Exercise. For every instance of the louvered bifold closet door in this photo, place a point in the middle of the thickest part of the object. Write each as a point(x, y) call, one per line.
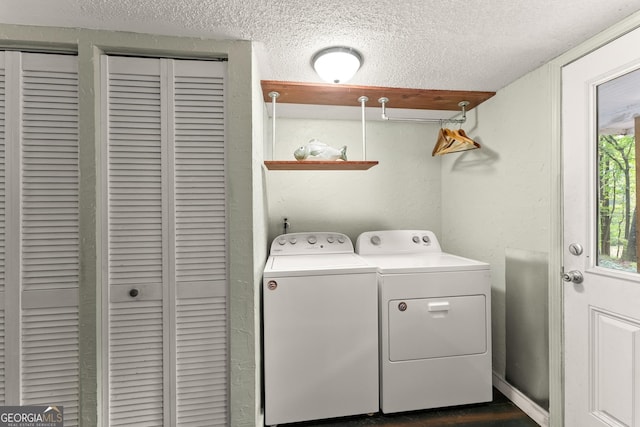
point(3, 239)
point(41, 231)
point(50, 233)
point(166, 245)
point(200, 248)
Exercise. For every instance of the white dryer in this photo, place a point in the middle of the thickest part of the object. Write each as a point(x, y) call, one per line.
point(435, 323)
point(320, 329)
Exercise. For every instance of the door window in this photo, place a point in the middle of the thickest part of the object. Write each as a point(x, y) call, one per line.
point(618, 122)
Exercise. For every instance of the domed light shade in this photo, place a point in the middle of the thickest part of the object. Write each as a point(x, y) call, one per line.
point(336, 64)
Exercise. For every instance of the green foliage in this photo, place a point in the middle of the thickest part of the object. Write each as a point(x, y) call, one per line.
point(616, 197)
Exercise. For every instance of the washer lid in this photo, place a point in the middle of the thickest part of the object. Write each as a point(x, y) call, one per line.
point(424, 263)
point(307, 265)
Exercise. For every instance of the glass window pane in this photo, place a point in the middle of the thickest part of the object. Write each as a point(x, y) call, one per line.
point(618, 122)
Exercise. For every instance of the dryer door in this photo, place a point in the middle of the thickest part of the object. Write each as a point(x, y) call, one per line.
point(426, 328)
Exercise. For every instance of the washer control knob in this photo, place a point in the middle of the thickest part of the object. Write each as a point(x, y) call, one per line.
point(282, 241)
point(415, 239)
point(341, 239)
point(426, 239)
point(375, 240)
point(312, 240)
point(293, 240)
point(331, 239)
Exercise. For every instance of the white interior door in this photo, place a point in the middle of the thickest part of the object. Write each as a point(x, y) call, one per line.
point(601, 98)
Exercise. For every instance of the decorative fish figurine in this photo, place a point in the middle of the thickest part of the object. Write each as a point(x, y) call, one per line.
point(316, 150)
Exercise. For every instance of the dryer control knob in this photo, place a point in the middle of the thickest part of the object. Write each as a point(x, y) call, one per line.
point(331, 239)
point(375, 240)
point(426, 239)
point(415, 239)
point(312, 240)
point(293, 240)
point(282, 241)
point(341, 239)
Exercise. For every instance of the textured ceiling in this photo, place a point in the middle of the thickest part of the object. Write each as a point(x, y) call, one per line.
point(430, 44)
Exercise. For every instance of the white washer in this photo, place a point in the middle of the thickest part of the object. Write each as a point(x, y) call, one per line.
point(320, 329)
point(435, 323)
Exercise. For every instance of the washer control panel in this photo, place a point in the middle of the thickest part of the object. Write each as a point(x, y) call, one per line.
point(304, 243)
point(397, 242)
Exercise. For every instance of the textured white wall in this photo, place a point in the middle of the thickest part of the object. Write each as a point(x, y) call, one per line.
point(498, 197)
point(247, 235)
point(403, 191)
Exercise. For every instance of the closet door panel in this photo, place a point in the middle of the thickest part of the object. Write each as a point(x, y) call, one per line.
point(2, 351)
point(136, 248)
point(49, 233)
point(200, 248)
point(50, 358)
point(136, 363)
point(2, 173)
point(39, 239)
point(134, 174)
point(201, 361)
point(49, 173)
point(2, 225)
point(200, 175)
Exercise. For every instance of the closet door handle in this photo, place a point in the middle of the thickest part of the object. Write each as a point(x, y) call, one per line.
point(134, 293)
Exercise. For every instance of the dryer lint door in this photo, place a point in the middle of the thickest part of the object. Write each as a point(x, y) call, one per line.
point(426, 328)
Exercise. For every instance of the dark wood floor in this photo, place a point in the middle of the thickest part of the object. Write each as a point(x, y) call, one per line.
point(500, 412)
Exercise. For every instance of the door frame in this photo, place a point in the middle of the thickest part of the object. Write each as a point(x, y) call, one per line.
point(556, 338)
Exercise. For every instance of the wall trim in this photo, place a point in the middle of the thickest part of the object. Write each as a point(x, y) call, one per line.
point(528, 406)
point(555, 290)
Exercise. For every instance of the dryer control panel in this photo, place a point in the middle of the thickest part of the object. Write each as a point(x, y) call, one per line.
point(308, 243)
point(397, 242)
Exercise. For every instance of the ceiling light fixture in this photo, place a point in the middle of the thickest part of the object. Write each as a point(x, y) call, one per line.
point(336, 64)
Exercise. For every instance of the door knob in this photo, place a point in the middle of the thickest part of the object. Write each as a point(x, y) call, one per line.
point(573, 276)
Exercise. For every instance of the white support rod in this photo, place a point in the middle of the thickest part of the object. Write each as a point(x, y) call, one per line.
point(461, 104)
point(274, 96)
point(363, 100)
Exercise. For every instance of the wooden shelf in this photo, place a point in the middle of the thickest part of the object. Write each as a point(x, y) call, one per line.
point(347, 95)
point(332, 94)
point(318, 165)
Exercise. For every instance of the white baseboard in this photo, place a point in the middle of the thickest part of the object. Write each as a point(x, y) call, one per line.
point(527, 405)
